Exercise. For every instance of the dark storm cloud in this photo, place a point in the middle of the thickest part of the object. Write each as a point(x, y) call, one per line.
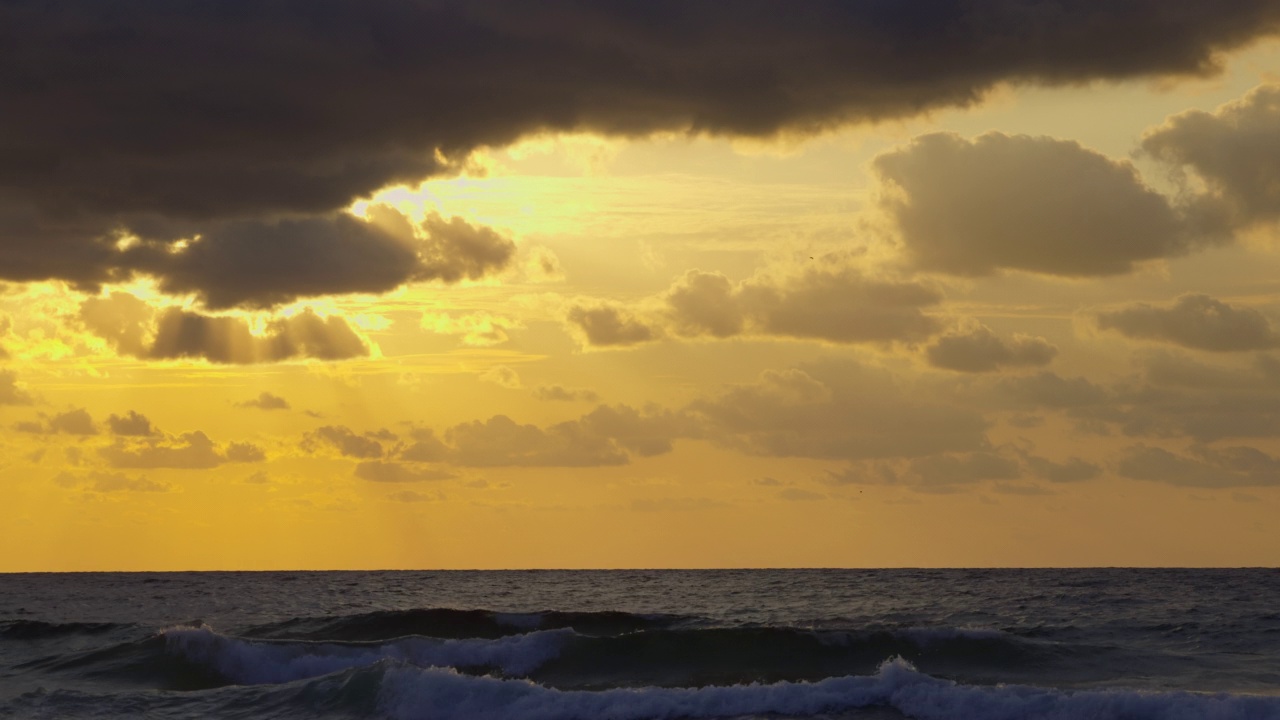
point(1195, 321)
point(135, 328)
point(1001, 202)
point(981, 350)
point(251, 123)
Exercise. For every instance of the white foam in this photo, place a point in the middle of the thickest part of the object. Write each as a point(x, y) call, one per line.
point(416, 694)
point(251, 662)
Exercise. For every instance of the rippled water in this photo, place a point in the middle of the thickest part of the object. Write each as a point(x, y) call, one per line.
point(944, 644)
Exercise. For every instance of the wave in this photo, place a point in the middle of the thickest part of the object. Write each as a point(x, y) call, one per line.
point(41, 630)
point(454, 623)
point(255, 662)
point(409, 693)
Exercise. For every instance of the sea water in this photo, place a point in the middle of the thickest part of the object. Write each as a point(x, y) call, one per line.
point(633, 645)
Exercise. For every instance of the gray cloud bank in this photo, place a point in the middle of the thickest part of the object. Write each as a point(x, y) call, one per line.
point(251, 124)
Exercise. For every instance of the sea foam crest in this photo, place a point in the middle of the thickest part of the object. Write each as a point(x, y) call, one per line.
point(254, 662)
point(436, 694)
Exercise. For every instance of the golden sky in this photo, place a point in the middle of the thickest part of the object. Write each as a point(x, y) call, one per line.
point(508, 285)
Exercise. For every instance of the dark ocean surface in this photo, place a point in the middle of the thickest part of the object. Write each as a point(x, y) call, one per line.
point(633, 645)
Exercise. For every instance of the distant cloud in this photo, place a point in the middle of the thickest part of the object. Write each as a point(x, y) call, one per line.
point(345, 441)
point(831, 301)
point(107, 482)
point(10, 392)
point(564, 394)
point(1014, 202)
point(502, 376)
point(607, 325)
point(132, 423)
point(981, 350)
point(1195, 321)
point(71, 422)
point(190, 451)
point(395, 472)
point(1238, 466)
point(265, 401)
point(134, 328)
point(837, 410)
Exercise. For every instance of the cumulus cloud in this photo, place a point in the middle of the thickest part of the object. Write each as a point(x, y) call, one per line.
point(1038, 204)
point(831, 301)
point(837, 410)
point(1195, 321)
point(1074, 469)
point(954, 469)
point(190, 451)
point(1234, 151)
point(132, 423)
point(72, 422)
point(256, 153)
point(1237, 466)
point(135, 328)
point(981, 350)
point(477, 329)
point(346, 441)
point(265, 401)
point(608, 325)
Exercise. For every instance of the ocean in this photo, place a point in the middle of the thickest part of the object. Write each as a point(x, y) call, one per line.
point(1095, 644)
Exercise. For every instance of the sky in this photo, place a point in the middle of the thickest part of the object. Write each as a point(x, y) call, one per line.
point(495, 284)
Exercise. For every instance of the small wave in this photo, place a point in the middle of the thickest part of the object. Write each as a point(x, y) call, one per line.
point(253, 662)
point(455, 623)
point(409, 693)
point(40, 630)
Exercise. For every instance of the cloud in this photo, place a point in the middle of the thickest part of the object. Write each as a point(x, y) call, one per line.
point(71, 422)
point(564, 394)
point(502, 376)
point(134, 328)
point(837, 410)
point(394, 472)
point(345, 441)
point(980, 350)
point(1234, 151)
point(1048, 389)
point(1195, 321)
point(10, 392)
point(1073, 470)
point(607, 325)
point(1237, 466)
point(257, 152)
point(952, 469)
point(190, 451)
point(260, 264)
point(608, 435)
point(132, 424)
point(105, 482)
point(831, 301)
point(265, 401)
point(1014, 202)
point(479, 329)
